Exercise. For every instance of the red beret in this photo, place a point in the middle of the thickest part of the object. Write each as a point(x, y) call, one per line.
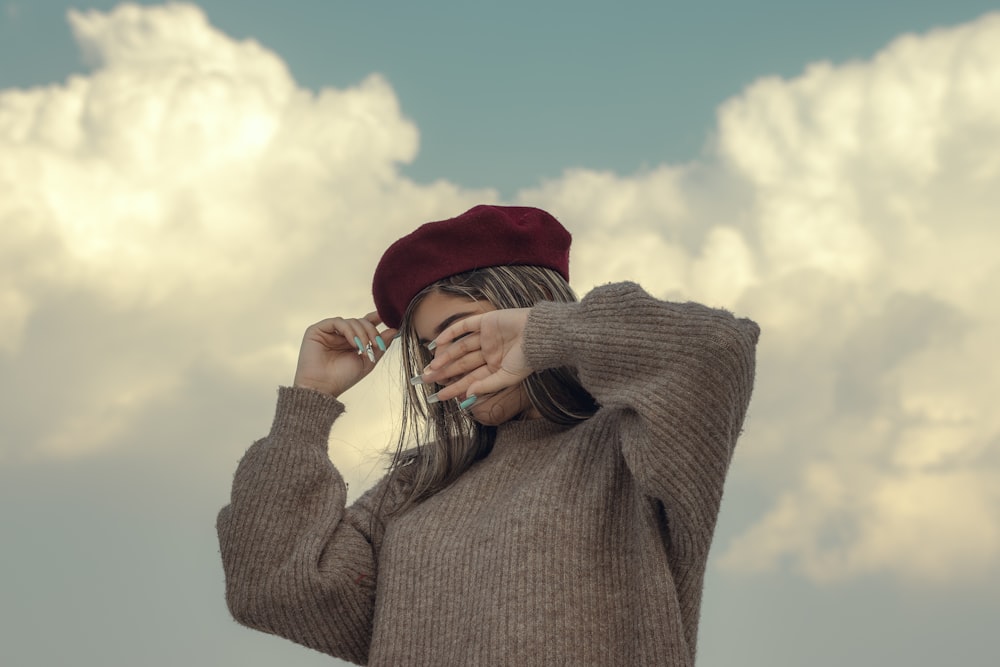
point(482, 236)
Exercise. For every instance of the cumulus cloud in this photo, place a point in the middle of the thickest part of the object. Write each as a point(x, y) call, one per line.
point(875, 183)
point(185, 145)
point(852, 211)
point(186, 208)
point(184, 201)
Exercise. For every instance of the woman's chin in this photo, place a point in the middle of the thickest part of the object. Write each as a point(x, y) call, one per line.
point(502, 408)
point(488, 415)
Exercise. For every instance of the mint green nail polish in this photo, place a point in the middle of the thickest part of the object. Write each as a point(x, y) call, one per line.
point(431, 345)
point(361, 348)
point(433, 398)
point(380, 343)
point(416, 380)
point(468, 403)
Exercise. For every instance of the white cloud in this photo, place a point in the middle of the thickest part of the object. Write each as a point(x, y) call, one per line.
point(878, 175)
point(652, 227)
point(187, 206)
point(185, 145)
point(852, 212)
point(198, 202)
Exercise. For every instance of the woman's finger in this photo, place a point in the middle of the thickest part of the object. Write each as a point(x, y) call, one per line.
point(386, 336)
point(330, 325)
point(457, 348)
point(370, 340)
point(462, 327)
point(329, 333)
point(452, 360)
point(458, 368)
point(380, 339)
point(356, 333)
point(459, 388)
point(494, 382)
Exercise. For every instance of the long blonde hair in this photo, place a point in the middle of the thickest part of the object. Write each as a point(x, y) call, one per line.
point(440, 441)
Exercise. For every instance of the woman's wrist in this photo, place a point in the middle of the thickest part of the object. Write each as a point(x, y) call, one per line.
point(321, 387)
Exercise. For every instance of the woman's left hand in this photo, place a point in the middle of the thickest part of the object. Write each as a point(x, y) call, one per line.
point(484, 352)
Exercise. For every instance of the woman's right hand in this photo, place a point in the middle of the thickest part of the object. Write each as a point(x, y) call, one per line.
point(334, 355)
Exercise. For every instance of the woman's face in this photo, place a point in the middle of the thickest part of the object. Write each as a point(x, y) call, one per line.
point(435, 313)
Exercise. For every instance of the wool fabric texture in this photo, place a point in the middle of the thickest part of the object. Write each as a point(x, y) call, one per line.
point(482, 236)
point(582, 545)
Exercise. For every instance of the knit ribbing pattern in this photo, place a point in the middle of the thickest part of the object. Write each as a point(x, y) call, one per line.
point(565, 546)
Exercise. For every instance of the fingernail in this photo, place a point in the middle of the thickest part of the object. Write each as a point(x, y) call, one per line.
point(468, 403)
point(380, 343)
point(416, 380)
point(361, 348)
point(433, 398)
point(431, 345)
point(370, 352)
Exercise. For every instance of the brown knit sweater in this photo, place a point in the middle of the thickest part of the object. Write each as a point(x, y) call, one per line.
point(565, 546)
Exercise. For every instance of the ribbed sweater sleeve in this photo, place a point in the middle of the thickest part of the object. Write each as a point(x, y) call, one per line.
point(680, 376)
point(298, 563)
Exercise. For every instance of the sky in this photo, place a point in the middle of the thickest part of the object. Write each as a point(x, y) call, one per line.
point(184, 188)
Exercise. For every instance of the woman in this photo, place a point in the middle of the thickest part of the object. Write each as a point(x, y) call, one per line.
point(559, 503)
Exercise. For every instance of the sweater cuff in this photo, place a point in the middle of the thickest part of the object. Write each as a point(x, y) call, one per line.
point(551, 335)
point(305, 414)
point(544, 335)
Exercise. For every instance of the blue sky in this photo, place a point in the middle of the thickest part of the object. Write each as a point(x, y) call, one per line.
point(176, 210)
point(506, 94)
